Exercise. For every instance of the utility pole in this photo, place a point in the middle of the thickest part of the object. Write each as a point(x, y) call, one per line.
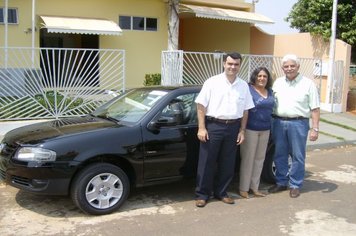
point(6, 9)
point(330, 81)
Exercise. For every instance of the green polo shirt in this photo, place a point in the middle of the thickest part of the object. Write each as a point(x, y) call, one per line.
point(295, 98)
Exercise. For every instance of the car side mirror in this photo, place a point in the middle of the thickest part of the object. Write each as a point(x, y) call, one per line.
point(154, 126)
point(177, 113)
point(173, 117)
point(164, 121)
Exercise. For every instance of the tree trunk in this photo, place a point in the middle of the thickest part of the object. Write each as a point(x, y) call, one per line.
point(173, 25)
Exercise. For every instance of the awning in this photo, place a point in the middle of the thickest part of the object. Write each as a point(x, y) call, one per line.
point(224, 14)
point(76, 25)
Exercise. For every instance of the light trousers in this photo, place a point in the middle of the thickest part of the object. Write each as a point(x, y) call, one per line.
point(252, 152)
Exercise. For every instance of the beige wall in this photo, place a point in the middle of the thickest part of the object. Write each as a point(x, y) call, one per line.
point(261, 43)
point(143, 48)
point(206, 35)
point(305, 46)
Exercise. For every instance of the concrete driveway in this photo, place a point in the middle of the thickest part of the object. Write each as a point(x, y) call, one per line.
point(325, 207)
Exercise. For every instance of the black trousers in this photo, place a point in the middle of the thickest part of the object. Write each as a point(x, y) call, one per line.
point(217, 158)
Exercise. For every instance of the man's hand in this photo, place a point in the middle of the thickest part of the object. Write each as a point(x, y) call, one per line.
point(240, 137)
point(203, 135)
point(313, 135)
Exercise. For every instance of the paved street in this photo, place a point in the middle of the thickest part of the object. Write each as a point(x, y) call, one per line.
point(326, 207)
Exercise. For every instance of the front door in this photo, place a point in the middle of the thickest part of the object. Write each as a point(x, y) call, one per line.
point(63, 64)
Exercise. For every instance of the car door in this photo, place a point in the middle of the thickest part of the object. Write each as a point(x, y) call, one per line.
point(172, 150)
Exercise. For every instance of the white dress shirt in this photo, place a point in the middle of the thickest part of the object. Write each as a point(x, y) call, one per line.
point(225, 100)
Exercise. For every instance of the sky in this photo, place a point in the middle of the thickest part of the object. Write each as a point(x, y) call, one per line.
point(276, 10)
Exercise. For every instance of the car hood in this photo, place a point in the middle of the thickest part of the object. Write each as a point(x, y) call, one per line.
point(36, 133)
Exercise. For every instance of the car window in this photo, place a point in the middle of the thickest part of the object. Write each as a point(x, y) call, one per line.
point(131, 106)
point(186, 104)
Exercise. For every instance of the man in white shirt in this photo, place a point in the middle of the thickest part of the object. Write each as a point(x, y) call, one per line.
point(297, 99)
point(222, 107)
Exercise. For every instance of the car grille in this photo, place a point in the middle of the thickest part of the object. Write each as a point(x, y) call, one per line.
point(6, 153)
point(2, 175)
point(21, 181)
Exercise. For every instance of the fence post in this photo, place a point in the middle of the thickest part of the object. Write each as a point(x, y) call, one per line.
point(172, 67)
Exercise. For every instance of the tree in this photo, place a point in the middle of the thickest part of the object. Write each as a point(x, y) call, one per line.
point(315, 17)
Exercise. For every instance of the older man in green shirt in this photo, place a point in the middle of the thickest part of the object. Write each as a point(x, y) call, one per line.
point(297, 100)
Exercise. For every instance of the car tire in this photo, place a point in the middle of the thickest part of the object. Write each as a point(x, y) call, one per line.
point(269, 169)
point(100, 189)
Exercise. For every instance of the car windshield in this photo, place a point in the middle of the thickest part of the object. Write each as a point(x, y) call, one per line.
point(131, 106)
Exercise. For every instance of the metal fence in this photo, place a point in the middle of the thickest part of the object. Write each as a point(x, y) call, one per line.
point(179, 67)
point(57, 82)
point(60, 82)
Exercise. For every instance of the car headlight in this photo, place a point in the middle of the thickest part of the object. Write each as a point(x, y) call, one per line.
point(35, 154)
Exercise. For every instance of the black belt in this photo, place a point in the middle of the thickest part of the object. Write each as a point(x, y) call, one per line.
point(289, 118)
point(229, 121)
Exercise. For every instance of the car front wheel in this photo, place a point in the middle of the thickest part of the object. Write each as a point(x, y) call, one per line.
point(100, 189)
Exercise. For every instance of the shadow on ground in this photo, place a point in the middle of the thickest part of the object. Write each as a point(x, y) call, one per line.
point(146, 197)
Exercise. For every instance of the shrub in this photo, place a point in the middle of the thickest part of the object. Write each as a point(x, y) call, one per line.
point(23, 107)
point(152, 79)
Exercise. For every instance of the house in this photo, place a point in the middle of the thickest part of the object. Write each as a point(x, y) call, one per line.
point(121, 41)
point(80, 23)
point(142, 30)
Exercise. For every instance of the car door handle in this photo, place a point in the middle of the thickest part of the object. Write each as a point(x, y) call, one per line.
point(151, 152)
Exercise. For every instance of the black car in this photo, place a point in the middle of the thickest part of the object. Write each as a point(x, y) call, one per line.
point(143, 137)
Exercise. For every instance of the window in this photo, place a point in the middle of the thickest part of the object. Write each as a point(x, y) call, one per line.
point(11, 16)
point(151, 24)
point(138, 23)
point(125, 22)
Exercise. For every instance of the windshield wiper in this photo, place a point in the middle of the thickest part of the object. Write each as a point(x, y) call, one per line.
point(106, 117)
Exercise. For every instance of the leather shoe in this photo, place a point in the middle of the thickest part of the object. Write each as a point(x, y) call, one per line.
point(277, 188)
point(227, 200)
point(294, 192)
point(244, 194)
point(200, 203)
point(258, 194)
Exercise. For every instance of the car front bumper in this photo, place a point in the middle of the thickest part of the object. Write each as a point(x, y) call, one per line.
point(48, 180)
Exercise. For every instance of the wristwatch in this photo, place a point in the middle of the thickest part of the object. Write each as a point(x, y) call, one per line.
point(316, 129)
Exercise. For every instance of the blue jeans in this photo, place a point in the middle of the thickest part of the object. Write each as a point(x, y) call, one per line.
point(290, 138)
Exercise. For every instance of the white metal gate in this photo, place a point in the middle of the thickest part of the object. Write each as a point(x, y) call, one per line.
point(179, 67)
point(57, 82)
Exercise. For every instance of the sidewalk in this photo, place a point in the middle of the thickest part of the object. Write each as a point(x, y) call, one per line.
point(330, 135)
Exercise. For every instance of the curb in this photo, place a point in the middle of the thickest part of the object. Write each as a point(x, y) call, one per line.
point(340, 144)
